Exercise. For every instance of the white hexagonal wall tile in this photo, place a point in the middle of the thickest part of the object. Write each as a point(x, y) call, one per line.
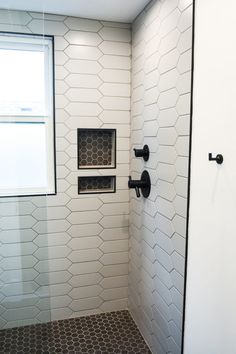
point(83, 81)
point(114, 270)
point(60, 72)
point(51, 226)
point(85, 291)
point(60, 58)
point(83, 109)
point(115, 48)
point(60, 43)
point(115, 258)
point(60, 88)
point(84, 268)
point(170, 41)
point(115, 62)
point(85, 255)
point(84, 204)
point(53, 278)
point(14, 222)
point(83, 66)
point(49, 27)
point(183, 105)
point(83, 38)
point(14, 17)
point(86, 304)
point(81, 24)
point(168, 99)
point(80, 243)
point(57, 251)
point(83, 52)
point(15, 236)
point(83, 95)
point(84, 217)
point(109, 75)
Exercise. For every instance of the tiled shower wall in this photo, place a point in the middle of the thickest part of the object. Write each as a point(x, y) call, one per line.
point(161, 80)
point(67, 255)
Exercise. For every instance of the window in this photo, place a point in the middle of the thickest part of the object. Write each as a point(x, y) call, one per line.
point(27, 147)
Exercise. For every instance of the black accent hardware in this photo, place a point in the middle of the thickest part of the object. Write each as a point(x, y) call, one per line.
point(144, 184)
point(219, 158)
point(144, 152)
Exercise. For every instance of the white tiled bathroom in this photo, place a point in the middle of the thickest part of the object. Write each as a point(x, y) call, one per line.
point(96, 106)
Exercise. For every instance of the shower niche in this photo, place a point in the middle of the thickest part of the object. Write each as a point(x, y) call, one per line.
point(96, 148)
point(96, 184)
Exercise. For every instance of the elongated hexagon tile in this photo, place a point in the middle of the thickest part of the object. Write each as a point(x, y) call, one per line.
point(83, 38)
point(115, 48)
point(60, 43)
point(86, 204)
point(83, 52)
point(161, 62)
point(81, 24)
point(83, 95)
point(115, 34)
point(49, 27)
point(115, 62)
point(14, 17)
point(83, 81)
point(85, 255)
point(83, 109)
point(84, 217)
point(80, 243)
point(16, 236)
point(77, 66)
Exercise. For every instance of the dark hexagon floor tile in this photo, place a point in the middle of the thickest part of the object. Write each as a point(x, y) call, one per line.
point(106, 333)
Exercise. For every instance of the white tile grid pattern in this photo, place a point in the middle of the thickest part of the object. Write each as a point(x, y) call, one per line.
point(161, 81)
point(67, 255)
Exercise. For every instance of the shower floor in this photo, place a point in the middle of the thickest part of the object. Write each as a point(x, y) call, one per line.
point(107, 333)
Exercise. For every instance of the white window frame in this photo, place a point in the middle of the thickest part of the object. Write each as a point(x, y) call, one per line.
point(44, 43)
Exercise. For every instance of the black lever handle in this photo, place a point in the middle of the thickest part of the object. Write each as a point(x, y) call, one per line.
point(137, 192)
point(219, 158)
point(135, 184)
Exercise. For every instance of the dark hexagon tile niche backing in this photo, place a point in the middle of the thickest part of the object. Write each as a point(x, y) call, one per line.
point(96, 148)
point(113, 332)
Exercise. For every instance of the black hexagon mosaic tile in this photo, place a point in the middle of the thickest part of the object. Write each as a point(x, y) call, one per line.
point(96, 184)
point(96, 148)
point(113, 332)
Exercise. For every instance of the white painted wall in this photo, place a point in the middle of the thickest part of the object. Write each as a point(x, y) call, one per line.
point(211, 286)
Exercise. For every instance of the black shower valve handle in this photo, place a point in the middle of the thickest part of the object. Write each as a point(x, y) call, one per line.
point(138, 152)
point(143, 184)
point(144, 152)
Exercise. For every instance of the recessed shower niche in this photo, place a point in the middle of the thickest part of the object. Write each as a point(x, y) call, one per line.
point(96, 148)
point(96, 184)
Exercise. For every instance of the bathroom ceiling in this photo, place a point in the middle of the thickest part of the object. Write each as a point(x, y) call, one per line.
point(109, 10)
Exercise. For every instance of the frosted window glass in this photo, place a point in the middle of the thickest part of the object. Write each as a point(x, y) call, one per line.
point(23, 156)
point(22, 89)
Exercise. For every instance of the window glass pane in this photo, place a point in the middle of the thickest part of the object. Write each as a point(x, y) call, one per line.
point(22, 83)
point(26, 115)
point(23, 158)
